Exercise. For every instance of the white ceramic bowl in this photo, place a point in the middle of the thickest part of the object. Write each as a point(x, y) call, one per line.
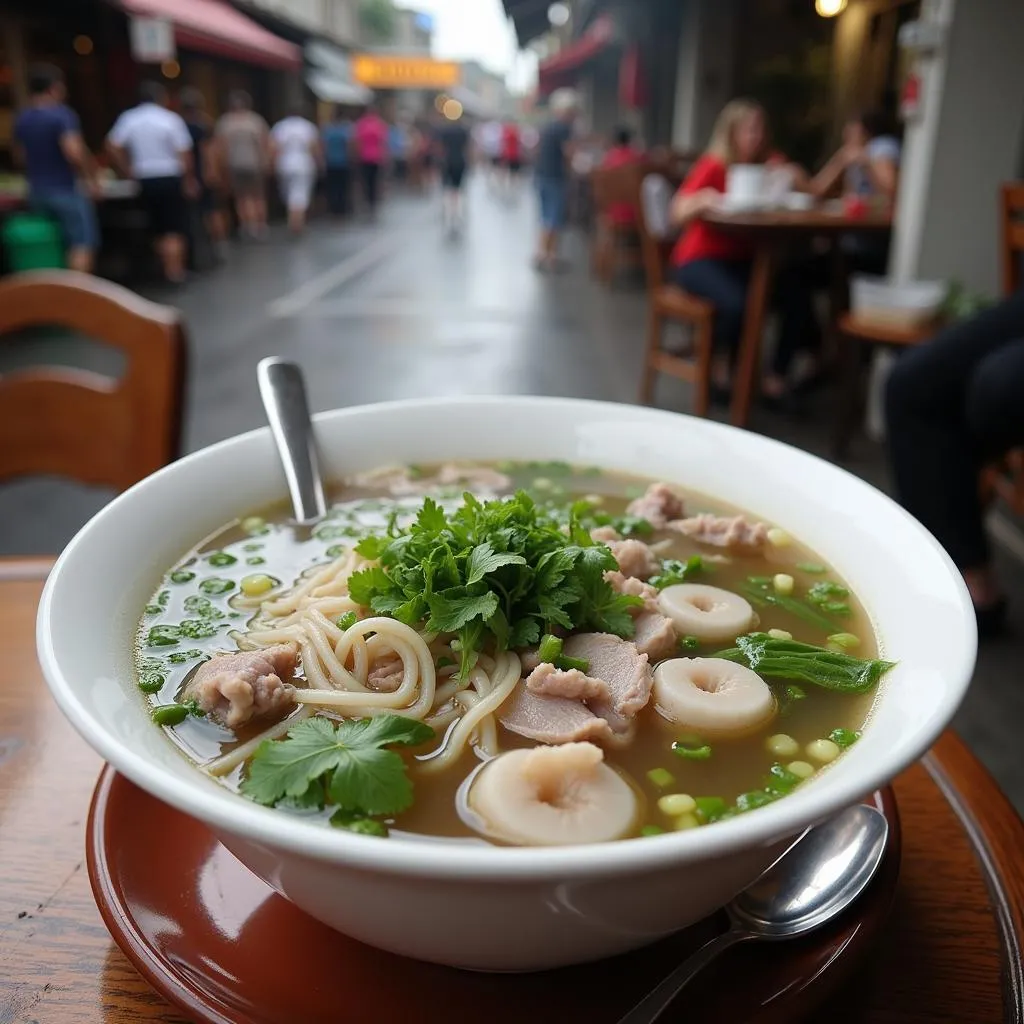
point(490, 908)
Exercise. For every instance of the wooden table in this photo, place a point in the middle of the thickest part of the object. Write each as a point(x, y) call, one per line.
point(951, 954)
point(769, 232)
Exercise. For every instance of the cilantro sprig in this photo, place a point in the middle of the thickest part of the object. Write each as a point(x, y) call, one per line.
point(496, 574)
point(346, 765)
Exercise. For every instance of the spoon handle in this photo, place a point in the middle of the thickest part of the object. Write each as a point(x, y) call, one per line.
point(283, 391)
point(660, 998)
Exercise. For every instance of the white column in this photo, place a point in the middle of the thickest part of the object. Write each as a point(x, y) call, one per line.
point(705, 77)
point(966, 142)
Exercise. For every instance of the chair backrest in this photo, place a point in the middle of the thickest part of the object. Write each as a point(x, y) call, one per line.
point(1013, 235)
point(79, 424)
point(653, 201)
point(612, 186)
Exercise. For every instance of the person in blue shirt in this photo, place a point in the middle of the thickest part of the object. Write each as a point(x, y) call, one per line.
point(59, 167)
point(398, 144)
point(337, 140)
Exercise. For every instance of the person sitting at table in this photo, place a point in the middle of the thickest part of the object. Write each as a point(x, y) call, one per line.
point(152, 144)
point(622, 154)
point(952, 406)
point(867, 165)
point(59, 167)
point(716, 265)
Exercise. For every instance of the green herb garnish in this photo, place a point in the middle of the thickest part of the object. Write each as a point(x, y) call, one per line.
point(805, 663)
point(689, 643)
point(711, 808)
point(349, 761)
point(221, 559)
point(170, 714)
point(347, 621)
point(762, 594)
point(811, 567)
point(673, 571)
point(152, 682)
point(215, 585)
point(844, 737)
point(550, 650)
point(180, 657)
point(499, 573)
point(691, 751)
point(182, 576)
point(163, 636)
point(359, 823)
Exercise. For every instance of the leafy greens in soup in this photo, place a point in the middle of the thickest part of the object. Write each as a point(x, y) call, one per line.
point(527, 654)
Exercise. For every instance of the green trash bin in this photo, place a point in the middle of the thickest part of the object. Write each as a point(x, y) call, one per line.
point(33, 242)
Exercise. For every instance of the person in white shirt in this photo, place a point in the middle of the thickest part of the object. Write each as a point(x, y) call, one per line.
point(153, 145)
point(298, 153)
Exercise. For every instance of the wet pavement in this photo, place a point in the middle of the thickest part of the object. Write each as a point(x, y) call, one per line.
point(398, 309)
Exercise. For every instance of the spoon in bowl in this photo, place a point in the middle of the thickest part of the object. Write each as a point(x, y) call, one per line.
point(816, 880)
point(283, 391)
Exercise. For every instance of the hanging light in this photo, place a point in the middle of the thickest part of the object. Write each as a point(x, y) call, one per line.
point(82, 45)
point(170, 68)
point(829, 8)
point(452, 110)
point(559, 14)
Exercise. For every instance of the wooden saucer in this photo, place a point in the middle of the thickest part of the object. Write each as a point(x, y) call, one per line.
point(216, 941)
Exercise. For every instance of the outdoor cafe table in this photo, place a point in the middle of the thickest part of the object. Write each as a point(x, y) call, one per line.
point(950, 954)
point(769, 232)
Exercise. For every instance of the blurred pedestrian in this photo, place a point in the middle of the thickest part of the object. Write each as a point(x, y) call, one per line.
point(297, 154)
point(60, 169)
point(622, 154)
point(953, 406)
point(243, 138)
point(371, 134)
point(487, 137)
point(193, 110)
point(337, 137)
point(511, 155)
point(399, 142)
point(453, 151)
point(152, 144)
point(554, 151)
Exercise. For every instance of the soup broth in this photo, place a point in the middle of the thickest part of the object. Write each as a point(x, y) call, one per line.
point(216, 601)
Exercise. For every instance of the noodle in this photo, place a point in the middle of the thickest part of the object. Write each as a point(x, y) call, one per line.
point(337, 665)
point(230, 761)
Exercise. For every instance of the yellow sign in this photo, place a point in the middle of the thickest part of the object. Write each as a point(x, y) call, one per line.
point(384, 71)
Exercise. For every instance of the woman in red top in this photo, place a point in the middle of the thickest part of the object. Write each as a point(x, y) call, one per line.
point(621, 155)
point(716, 265)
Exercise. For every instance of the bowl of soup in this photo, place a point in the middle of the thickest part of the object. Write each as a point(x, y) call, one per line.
point(551, 679)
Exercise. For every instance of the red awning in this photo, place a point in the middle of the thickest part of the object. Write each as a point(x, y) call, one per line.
point(563, 67)
point(213, 27)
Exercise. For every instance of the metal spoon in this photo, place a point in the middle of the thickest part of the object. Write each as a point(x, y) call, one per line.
point(283, 391)
point(817, 879)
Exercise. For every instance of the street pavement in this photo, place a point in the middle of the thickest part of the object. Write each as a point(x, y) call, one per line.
point(398, 309)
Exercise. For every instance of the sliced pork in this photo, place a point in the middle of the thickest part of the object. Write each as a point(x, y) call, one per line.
point(552, 719)
point(733, 532)
point(233, 689)
point(386, 674)
point(659, 505)
point(548, 681)
point(635, 558)
point(632, 587)
point(655, 636)
point(625, 670)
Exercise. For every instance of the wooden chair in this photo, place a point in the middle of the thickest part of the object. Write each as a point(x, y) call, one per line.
point(614, 243)
point(669, 303)
point(78, 424)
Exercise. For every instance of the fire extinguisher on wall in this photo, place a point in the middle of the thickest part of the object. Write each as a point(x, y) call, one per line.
point(910, 96)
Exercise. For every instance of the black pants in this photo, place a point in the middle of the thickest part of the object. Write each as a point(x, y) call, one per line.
point(371, 184)
point(725, 283)
point(339, 190)
point(951, 406)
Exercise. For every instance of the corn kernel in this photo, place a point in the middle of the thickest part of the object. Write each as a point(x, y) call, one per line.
point(781, 745)
point(674, 804)
point(685, 821)
point(801, 769)
point(822, 750)
point(845, 640)
point(783, 583)
point(257, 584)
point(780, 634)
point(779, 538)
